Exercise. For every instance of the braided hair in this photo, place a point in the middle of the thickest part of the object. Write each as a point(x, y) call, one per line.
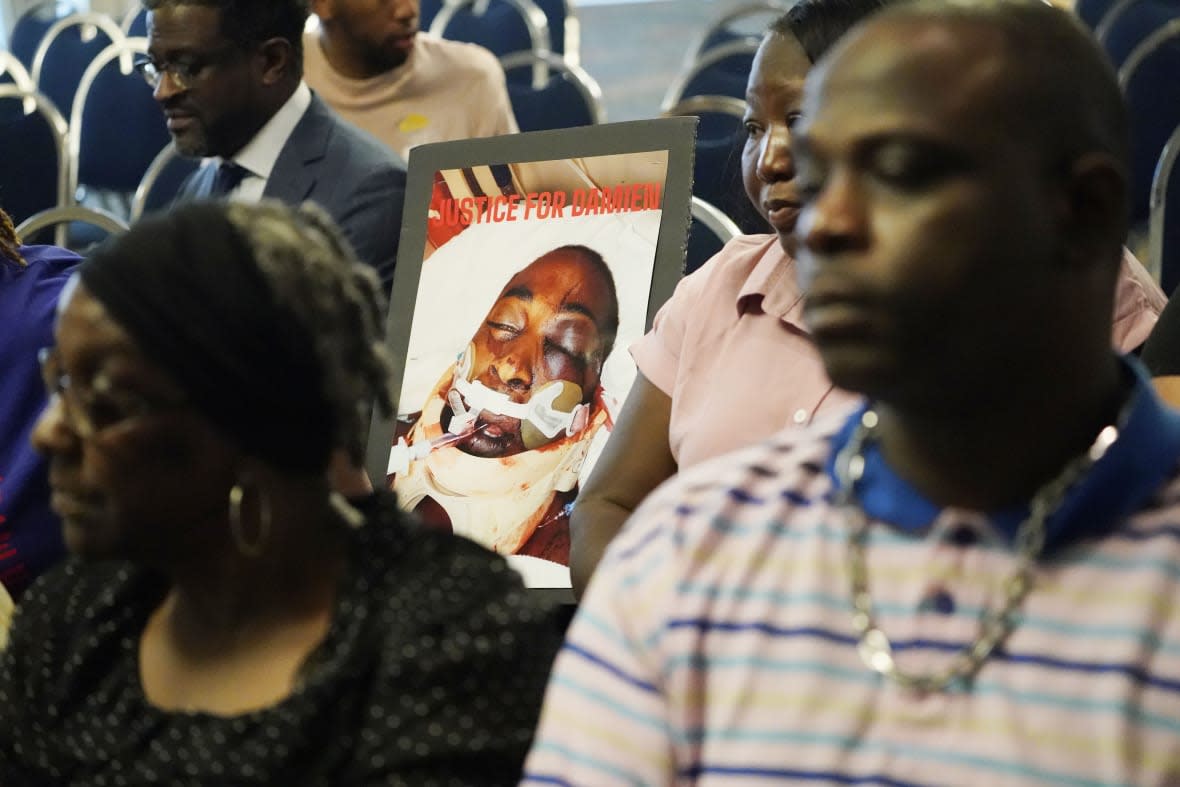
point(314, 275)
point(9, 242)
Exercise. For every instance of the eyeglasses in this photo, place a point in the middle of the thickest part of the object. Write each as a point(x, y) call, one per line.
point(103, 406)
point(184, 72)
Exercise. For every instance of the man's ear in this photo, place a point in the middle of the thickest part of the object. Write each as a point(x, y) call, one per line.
point(1095, 208)
point(278, 56)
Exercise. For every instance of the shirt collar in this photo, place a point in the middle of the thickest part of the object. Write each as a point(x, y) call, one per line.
point(1117, 485)
point(260, 153)
point(772, 286)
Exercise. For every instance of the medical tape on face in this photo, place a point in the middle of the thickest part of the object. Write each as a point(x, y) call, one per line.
point(539, 411)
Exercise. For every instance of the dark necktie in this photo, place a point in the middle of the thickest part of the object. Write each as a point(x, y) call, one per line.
point(229, 175)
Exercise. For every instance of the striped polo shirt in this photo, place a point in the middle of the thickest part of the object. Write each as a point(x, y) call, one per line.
point(715, 644)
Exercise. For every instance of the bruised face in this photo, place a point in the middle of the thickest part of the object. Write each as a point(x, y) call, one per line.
point(553, 321)
point(773, 100)
point(926, 239)
point(134, 472)
point(378, 34)
point(217, 112)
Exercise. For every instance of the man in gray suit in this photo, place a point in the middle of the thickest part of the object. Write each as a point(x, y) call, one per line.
point(229, 76)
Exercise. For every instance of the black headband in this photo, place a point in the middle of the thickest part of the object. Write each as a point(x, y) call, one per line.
point(187, 289)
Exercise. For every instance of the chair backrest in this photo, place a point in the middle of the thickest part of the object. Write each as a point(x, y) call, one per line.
point(722, 71)
point(29, 29)
point(565, 30)
point(1164, 232)
point(1129, 23)
point(717, 165)
point(116, 127)
point(1150, 79)
point(37, 178)
point(722, 117)
point(96, 224)
point(1091, 11)
point(569, 97)
point(134, 23)
point(68, 47)
point(427, 11)
point(745, 23)
point(161, 183)
point(502, 26)
point(709, 231)
point(13, 72)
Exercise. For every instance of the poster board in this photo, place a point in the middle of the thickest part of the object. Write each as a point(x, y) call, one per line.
point(528, 265)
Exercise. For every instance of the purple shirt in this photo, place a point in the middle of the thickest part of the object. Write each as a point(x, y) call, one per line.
point(30, 534)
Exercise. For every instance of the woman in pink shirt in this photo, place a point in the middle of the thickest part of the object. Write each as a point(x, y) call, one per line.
point(729, 361)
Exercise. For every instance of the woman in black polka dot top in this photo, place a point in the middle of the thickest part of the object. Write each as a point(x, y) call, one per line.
point(227, 619)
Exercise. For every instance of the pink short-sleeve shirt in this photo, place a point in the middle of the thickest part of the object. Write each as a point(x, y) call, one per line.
point(730, 348)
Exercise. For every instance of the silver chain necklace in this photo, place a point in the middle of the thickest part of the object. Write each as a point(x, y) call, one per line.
point(874, 647)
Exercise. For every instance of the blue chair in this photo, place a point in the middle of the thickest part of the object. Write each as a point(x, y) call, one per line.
point(1128, 24)
point(67, 48)
point(565, 30)
point(722, 71)
point(29, 29)
point(743, 24)
point(709, 230)
point(717, 165)
point(161, 183)
point(427, 11)
point(100, 224)
point(1092, 11)
point(1164, 232)
point(568, 97)
point(1150, 79)
point(502, 26)
point(134, 24)
point(37, 178)
point(13, 72)
point(116, 127)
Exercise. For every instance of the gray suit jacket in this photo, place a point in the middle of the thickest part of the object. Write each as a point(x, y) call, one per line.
point(357, 180)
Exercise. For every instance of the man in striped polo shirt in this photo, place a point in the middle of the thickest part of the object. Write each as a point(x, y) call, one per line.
point(972, 580)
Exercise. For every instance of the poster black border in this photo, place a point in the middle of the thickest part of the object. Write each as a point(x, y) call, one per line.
point(676, 135)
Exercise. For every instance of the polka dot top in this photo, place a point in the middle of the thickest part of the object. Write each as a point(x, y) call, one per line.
point(432, 672)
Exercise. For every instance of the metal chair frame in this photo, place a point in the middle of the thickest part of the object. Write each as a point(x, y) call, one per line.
point(697, 49)
point(1145, 48)
point(62, 215)
point(535, 21)
point(1102, 29)
point(34, 101)
point(9, 64)
point(125, 50)
point(715, 219)
point(586, 85)
point(129, 18)
point(144, 191)
point(695, 105)
point(707, 60)
point(1159, 199)
point(90, 23)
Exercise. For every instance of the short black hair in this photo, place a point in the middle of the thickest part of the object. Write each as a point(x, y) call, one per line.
point(818, 24)
point(250, 22)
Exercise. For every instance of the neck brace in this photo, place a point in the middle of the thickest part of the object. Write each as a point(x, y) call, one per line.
point(497, 502)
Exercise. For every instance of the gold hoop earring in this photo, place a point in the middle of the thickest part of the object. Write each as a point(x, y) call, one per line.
point(248, 548)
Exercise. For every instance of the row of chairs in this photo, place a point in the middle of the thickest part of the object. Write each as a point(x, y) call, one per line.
point(1142, 38)
point(86, 60)
point(74, 106)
